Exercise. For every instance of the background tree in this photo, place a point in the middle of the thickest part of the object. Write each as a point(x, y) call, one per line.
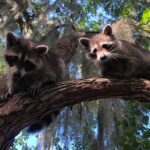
point(103, 124)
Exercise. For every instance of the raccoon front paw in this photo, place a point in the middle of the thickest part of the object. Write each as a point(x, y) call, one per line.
point(32, 91)
point(5, 97)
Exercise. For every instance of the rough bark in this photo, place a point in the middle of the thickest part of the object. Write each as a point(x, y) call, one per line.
point(66, 48)
point(22, 110)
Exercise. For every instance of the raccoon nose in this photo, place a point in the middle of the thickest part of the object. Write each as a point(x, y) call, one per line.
point(17, 75)
point(103, 58)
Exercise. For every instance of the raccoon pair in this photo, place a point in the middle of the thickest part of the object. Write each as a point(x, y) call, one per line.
point(29, 66)
point(116, 58)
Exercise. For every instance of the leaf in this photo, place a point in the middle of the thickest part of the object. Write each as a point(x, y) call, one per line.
point(146, 134)
point(145, 18)
point(145, 119)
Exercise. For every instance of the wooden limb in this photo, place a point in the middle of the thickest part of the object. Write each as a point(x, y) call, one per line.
point(22, 110)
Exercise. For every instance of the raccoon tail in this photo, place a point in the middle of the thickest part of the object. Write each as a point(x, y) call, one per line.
point(43, 122)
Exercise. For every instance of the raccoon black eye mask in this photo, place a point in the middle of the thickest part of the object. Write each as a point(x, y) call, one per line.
point(29, 66)
point(11, 60)
point(108, 47)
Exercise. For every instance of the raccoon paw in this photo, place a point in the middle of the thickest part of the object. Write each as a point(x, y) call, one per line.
point(32, 91)
point(6, 96)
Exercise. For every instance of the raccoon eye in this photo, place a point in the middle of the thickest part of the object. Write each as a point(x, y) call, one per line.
point(11, 60)
point(94, 50)
point(108, 47)
point(92, 55)
point(29, 66)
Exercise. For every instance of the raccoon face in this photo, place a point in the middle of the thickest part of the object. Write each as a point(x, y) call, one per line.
point(23, 56)
point(33, 57)
point(99, 48)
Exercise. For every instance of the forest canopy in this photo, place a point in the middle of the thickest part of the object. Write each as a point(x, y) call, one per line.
point(98, 125)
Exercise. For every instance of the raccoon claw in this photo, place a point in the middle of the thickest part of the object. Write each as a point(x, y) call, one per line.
point(6, 97)
point(32, 91)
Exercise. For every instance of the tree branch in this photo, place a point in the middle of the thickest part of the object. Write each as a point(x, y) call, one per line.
point(22, 111)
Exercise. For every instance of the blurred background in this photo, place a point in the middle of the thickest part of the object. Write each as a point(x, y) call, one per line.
point(108, 124)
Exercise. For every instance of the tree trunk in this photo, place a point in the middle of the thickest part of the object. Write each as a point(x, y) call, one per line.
point(22, 110)
point(100, 137)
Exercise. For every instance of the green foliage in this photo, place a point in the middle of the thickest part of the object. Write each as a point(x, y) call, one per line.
point(86, 15)
point(135, 134)
point(20, 140)
point(145, 18)
point(126, 10)
point(2, 66)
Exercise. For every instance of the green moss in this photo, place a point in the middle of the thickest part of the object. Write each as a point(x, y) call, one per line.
point(2, 67)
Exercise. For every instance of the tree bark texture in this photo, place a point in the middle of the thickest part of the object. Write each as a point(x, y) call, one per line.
point(22, 110)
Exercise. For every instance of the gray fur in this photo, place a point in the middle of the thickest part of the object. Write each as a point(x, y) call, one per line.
point(29, 66)
point(49, 67)
point(122, 59)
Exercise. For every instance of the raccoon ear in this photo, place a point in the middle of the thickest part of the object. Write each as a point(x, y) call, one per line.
point(41, 50)
point(107, 30)
point(84, 42)
point(11, 39)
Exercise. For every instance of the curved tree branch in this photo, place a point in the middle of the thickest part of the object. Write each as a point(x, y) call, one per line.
point(22, 110)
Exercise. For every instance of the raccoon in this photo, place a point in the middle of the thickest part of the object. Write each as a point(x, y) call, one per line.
point(115, 57)
point(29, 66)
